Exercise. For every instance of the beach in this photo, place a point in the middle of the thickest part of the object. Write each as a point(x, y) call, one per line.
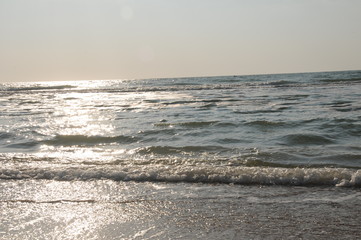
point(143, 210)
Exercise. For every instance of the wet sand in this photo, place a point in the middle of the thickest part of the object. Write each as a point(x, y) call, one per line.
point(130, 210)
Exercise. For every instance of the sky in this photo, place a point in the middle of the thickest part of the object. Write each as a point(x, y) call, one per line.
point(46, 40)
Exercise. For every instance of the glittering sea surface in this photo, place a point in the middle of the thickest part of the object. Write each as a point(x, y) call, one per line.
point(231, 146)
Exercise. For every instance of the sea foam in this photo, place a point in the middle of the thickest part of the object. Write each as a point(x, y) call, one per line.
point(194, 174)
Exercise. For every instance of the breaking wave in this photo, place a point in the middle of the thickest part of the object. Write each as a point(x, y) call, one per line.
point(195, 174)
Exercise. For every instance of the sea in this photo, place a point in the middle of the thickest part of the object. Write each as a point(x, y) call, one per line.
point(274, 156)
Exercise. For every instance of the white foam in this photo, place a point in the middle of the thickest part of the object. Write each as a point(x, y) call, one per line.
point(206, 174)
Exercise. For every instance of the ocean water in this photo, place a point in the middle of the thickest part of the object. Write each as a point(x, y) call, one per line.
point(128, 159)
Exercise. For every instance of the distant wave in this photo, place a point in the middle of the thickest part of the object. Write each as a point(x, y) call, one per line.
point(195, 174)
point(262, 111)
point(279, 83)
point(351, 80)
point(187, 124)
point(147, 87)
point(69, 140)
point(264, 123)
point(36, 88)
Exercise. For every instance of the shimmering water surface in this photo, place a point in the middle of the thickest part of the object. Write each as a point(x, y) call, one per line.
point(282, 129)
point(295, 131)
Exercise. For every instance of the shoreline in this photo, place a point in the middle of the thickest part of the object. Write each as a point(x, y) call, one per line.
point(102, 209)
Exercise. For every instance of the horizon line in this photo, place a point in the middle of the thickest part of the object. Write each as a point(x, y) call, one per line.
point(181, 77)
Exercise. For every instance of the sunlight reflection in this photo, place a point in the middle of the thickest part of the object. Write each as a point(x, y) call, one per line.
point(77, 115)
point(78, 209)
point(92, 126)
point(73, 154)
point(71, 195)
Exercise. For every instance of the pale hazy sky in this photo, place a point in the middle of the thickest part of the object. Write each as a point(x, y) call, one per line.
point(44, 40)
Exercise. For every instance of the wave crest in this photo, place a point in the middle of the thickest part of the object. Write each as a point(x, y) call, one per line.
point(195, 174)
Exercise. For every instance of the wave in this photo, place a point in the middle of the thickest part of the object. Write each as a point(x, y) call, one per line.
point(342, 127)
point(175, 88)
point(296, 97)
point(37, 88)
point(279, 83)
point(23, 145)
point(6, 135)
point(346, 80)
point(120, 88)
point(187, 124)
point(165, 150)
point(264, 123)
point(195, 174)
point(53, 201)
point(68, 140)
point(29, 103)
point(277, 110)
point(307, 139)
